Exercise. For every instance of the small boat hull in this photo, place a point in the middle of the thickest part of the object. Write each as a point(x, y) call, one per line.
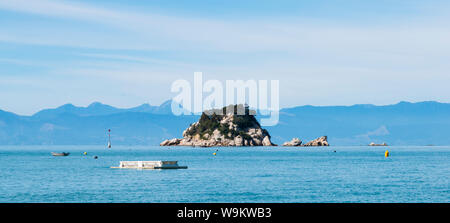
point(60, 154)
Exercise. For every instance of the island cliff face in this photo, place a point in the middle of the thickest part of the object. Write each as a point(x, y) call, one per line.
point(224, 129)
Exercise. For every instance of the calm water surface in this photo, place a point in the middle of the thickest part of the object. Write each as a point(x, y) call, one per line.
point(351, 174)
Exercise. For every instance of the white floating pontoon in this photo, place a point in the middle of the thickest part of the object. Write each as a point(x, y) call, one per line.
point(150, 165)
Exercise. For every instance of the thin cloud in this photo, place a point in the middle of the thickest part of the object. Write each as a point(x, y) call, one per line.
point(313, 59)
point(186, 33)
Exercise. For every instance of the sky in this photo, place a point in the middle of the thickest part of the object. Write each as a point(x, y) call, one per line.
point(323, 52)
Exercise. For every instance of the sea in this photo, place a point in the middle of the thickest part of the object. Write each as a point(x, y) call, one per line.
point(356, 174)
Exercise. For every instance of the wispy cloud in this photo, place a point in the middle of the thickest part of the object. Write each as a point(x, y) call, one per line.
point(173, 33)
point(124, 57)
point(330, 62)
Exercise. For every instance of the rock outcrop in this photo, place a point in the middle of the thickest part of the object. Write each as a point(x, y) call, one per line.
point(293, 142)
point(321, 141)
point(225, 128)
point(170, 142)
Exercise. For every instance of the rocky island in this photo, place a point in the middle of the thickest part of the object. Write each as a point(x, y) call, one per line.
point(321, 141)
point(225, 128)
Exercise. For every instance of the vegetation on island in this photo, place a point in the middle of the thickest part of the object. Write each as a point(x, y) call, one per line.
point(211, 120)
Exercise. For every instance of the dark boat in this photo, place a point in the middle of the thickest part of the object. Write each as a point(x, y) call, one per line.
point(60, 154)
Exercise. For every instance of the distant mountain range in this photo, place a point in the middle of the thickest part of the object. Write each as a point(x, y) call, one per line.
point(405, 123)
point(423, 123)
point(98, 109)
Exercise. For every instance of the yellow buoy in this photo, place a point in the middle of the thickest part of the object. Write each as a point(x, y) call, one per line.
point(214, 154)
point(386, 154)
point(85, 153)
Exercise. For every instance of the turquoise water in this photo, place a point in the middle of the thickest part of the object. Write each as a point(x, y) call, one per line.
point(277, 174)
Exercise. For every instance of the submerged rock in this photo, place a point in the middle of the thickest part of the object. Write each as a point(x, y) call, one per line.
point(234, 125)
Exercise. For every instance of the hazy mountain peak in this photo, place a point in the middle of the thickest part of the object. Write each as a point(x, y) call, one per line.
point(6, 113)
point(404, 103)
point(97, 104)
point(429, 102)
point(166, 103)
point(145, 105)
point(68, 105)
point(145, 108)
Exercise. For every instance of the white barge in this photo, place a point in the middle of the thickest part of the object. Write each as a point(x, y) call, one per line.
point(149, 165)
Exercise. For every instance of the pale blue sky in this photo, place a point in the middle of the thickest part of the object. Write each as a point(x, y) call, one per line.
point(323, 52)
